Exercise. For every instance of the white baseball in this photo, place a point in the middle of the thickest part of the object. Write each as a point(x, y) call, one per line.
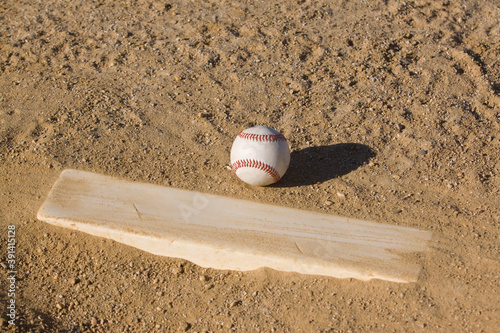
point(260, 155)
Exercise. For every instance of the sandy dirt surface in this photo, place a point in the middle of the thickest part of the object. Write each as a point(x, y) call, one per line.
point(391, 109)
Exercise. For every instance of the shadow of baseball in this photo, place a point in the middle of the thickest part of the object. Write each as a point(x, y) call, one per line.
point(314, 165)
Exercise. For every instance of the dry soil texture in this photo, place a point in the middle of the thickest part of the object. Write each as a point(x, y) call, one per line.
point(391, 108)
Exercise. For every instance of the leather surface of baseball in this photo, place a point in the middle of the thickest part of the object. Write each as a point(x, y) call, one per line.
point(260, 155)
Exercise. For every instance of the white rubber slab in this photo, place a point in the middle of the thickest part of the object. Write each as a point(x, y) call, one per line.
point(225, 233)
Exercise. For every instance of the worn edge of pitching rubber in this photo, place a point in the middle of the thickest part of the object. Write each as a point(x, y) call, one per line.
point(259, 165)
point(225, 233)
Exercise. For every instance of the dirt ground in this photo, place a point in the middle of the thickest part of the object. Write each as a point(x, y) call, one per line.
point(391, 109)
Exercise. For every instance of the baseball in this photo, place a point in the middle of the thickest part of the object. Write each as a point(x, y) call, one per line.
point(260, 156)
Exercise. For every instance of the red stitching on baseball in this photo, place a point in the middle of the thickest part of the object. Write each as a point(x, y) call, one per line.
point(258, 165)
point(262, 137)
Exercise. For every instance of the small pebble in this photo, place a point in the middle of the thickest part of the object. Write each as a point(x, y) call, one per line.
point(328, 202)
point(93, 321)
point(185, 326)
point(340, 194)
point(397, 211)
point(59, 306)
point(203, 278)
point(400, 127)
point(234, 303)
point(177, 270)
